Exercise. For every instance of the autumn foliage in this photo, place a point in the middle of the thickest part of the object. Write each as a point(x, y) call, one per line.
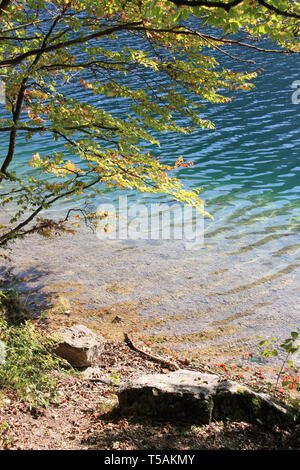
point(63, 60)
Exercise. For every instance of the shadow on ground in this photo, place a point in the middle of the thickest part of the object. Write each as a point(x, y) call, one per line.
point(27, 296)
point(116, 433)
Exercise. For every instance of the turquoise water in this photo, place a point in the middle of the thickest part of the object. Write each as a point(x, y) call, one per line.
point(249, 166)
point(249, 170)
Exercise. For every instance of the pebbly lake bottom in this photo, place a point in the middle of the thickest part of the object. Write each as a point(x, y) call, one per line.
point(213, 301)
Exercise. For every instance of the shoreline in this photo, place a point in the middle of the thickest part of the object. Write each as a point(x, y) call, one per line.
point(84, 418)
point(84, 415)
point(195, 303)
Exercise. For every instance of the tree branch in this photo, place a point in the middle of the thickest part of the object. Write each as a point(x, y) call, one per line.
point(61, 45)
point(16, 231)
point(227, 6)
point(67, 128)
point(188, 31)
point(207, 4)
point(277, 10)
point(3, 6)
point(20, 98)
point(13, 133)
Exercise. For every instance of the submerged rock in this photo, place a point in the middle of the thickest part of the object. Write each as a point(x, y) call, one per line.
point(79, 346)
point(199, 398)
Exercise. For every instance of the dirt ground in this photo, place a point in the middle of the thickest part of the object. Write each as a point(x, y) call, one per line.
point(84, 417)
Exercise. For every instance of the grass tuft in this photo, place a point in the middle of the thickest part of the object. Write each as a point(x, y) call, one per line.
point(27, 361)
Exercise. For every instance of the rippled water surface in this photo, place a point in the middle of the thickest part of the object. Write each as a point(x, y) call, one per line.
point(245, 279)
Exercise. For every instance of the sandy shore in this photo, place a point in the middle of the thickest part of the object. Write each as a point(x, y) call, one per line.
point(205, 301)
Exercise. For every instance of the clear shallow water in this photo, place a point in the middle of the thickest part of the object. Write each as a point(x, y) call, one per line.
point(246, 276)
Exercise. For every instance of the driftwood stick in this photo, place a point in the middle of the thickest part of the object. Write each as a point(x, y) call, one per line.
point(160, 360)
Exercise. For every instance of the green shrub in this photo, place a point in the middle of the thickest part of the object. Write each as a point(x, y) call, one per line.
point(29, 365)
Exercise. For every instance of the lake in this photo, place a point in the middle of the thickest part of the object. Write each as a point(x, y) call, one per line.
point(245, 279)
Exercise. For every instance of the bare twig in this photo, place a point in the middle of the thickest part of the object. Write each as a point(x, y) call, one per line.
point(151, 357)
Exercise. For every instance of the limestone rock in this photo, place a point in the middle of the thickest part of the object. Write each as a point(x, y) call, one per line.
point(79, 346)
point(199, 398)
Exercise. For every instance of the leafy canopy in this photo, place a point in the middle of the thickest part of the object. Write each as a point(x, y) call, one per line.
point(62, 61)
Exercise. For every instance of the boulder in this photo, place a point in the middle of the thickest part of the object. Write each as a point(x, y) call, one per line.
point(199, 398)
point(79, 346)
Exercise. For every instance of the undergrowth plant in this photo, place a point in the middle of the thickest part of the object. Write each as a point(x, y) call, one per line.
point(29, 363)
point(288, 372)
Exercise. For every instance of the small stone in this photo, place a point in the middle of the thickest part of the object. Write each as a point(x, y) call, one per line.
point(79, 346)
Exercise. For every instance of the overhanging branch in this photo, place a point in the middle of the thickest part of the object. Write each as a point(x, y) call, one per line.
point(228, 5)
point(3, 6)
point(72, 42)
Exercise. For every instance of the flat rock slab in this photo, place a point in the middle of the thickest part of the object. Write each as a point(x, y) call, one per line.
point(79, 346)
point(199, 398)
